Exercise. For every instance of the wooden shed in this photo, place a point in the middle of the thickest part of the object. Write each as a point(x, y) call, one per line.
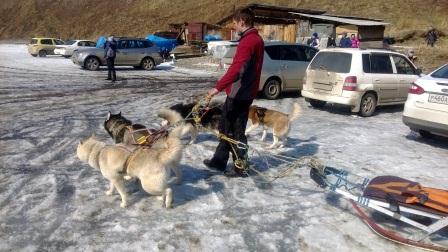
point(370, 31)
point(194, 31)
point(273, 22)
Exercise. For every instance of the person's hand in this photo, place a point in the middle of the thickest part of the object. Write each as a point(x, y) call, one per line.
point(212, 92)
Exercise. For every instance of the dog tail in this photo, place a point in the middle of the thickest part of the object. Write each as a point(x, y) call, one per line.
point(170, 115)
point(296, 111)
point(172, 154)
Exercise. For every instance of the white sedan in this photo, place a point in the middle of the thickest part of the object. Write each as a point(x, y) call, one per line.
point(67, 49)
point(426, 109)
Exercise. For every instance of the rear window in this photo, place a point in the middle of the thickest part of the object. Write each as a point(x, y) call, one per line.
point(441, 73)
point(33, 41)
point(46, 42)
point(332, 62)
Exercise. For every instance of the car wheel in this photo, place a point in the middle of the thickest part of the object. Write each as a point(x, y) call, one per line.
point(42, 53)
point(272, 89)
point(148, 64)
point(316, 103)
point(425, 134)
point(92, 64)
point(368, 105)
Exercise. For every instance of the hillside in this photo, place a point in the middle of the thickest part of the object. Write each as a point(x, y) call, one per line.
point(22, 19)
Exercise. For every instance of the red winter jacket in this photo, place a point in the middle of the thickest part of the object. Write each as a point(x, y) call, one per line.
point(243, 77)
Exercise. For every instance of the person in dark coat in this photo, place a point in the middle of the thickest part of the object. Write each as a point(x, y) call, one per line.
point(431, 37)
point(240, 83)
point(345, 41)
point(110, 52)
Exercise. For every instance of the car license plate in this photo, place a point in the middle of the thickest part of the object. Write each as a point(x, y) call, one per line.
point(435, 98)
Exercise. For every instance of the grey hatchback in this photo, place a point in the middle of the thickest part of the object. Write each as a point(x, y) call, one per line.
point(139, 53)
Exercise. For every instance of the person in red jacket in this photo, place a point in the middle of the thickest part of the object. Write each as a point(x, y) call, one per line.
point(240, 83)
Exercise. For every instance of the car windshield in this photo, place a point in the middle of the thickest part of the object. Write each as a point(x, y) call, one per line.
point(70, 42)
point(332, 62)
point(441, 73)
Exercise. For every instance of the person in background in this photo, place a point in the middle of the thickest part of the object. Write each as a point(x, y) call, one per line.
point(345, 42)
point(315, 41)
point(355, 41)
point(240, 83)
point(431, 37)
point(110, 52)
point(411, 56)
point(331, 42)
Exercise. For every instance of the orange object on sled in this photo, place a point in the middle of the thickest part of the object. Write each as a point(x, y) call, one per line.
point(401, 191)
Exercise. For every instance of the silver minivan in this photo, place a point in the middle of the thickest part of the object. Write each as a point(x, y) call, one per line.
point(361, 79)
point(284, 66)
point(139, 53)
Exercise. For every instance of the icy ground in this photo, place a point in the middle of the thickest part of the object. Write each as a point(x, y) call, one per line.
point(50, 201)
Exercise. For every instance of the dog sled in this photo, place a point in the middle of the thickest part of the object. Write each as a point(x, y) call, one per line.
point(406, 201)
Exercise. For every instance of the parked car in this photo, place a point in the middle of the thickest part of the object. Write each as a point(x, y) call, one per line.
point(43, 46)
point(361, 79)
point(139, 53)
point(426, 109)
point(67, 49)
point(284, 67)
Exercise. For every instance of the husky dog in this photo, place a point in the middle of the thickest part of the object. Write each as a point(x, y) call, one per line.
point(149, 165)
point(119, 128)
point(209, 119)
point(278, 121)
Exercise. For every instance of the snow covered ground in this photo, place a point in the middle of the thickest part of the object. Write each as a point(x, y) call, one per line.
point(50, 201)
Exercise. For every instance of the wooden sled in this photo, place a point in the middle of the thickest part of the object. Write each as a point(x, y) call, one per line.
point(396, 197)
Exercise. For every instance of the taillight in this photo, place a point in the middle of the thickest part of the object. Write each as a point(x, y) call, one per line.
point(416, 89)
point(350, 83)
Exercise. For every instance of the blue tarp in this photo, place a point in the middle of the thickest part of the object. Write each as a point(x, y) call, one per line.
point(100, 42)
point(163, 43)
point(212, 38)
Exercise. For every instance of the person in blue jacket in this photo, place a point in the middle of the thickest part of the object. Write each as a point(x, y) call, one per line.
point(345, 41)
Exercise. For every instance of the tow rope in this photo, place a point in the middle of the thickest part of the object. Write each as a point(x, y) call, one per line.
point(243, 163)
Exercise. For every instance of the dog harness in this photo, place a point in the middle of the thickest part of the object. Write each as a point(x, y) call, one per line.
point(146, 137)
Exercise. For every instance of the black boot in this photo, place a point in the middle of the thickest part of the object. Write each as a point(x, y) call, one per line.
point(214, 165)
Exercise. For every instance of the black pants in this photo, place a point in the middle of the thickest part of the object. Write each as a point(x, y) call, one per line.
point(233, 124)
point(111, 68)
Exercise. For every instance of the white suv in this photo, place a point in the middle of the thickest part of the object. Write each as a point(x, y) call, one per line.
point(362, 79)
point(426, 109)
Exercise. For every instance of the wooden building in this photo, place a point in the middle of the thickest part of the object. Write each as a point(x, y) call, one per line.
point(296, 25)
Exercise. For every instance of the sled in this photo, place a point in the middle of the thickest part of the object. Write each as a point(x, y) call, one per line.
point(401, 199)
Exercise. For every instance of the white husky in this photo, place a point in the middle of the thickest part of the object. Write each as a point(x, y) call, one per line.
point(150, 165)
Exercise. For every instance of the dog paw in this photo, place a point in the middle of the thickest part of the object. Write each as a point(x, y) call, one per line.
point(109, 192)
point(161, 198)
point(123, 204)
